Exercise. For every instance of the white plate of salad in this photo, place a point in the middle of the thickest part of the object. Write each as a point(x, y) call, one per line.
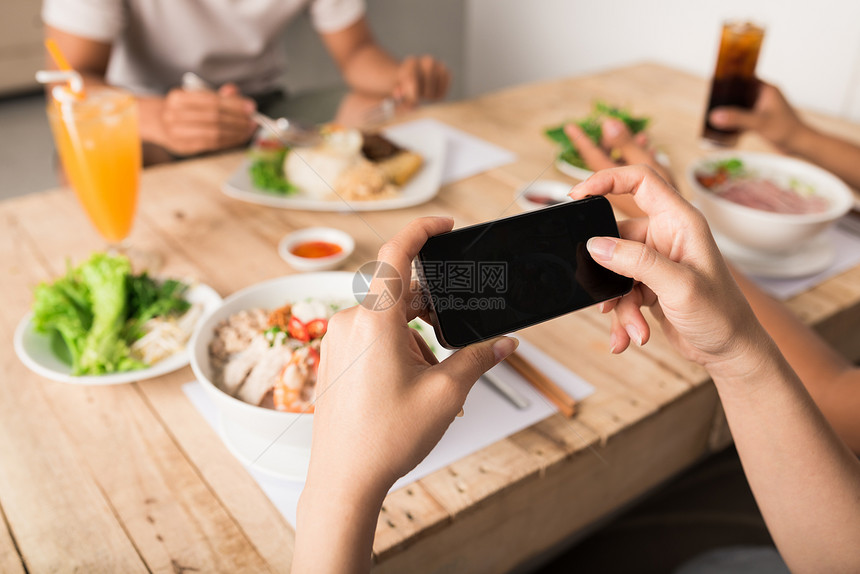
point(100, 324)
point(569, 160)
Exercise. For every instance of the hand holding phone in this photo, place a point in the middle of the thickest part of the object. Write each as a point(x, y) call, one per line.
point(497, 277)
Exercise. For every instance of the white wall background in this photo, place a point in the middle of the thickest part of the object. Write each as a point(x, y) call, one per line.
point(811, 48)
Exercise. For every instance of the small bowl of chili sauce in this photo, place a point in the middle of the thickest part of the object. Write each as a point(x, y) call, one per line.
point(316, 248)
point(542, 193)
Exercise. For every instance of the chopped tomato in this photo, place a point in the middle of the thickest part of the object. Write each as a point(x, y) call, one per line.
point(711, 180)
point(317, 328)
point(313, 359)
point(298, 330)
point(269, 144)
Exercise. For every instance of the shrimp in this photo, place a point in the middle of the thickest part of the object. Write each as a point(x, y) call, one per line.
point(294, 387)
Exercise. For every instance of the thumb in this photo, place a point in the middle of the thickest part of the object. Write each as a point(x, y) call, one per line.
point(469, 363)
point(636, 260)
point(733, 118)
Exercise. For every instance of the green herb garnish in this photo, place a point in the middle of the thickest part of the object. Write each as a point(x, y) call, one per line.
point(267, 172)
point(732, 166)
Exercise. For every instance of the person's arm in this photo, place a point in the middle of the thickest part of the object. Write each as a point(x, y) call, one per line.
point(833, 382)
point(805, 480)
point(830, 378)
point(776, 121)
point(830, 152)
point(366, 67)
point(183, 123)
point(383, 402)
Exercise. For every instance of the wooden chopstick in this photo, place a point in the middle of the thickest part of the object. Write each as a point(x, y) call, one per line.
point(559, 397)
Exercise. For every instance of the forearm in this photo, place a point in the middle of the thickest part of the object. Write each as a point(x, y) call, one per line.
point(335, 529)
point(371, 70)
point(832, 380)
point(805, 480)
point(833, 154)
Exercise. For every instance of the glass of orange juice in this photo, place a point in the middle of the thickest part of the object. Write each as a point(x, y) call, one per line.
point(99, 145)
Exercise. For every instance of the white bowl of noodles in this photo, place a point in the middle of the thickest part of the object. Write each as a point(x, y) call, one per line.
point(769, 203)
point(275, 442)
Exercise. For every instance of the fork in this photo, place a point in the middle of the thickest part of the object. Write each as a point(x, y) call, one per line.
point(289, 132)
point(381, 112)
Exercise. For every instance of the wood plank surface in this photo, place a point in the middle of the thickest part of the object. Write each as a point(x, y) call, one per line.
point(536, 513)
point(131, 478)
point(171, 515)
point(54, 507)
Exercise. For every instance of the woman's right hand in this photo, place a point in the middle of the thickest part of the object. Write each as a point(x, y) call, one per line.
point(680, 275)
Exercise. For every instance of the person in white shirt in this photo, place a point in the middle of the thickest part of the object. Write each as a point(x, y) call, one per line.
point(146, 46)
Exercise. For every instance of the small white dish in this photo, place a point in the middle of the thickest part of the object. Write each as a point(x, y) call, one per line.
point(34, 350)
point(542, 193)
point(327, 234)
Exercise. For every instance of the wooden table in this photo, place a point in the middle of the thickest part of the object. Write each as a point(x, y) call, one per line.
point(131, 479)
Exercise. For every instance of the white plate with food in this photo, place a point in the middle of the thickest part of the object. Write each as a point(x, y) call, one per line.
point(338, 176)
point(160, 349)
point(582, 173)
point(569, 160)
point(256, 358)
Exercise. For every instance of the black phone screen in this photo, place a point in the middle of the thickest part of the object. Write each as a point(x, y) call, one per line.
point(498, 277)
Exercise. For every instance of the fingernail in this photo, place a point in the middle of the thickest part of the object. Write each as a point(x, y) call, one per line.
point(601, 248)
point(635, 335)
point(611, 128)
point(613, 342)
point(718, 117)
point(250, 107)
point(448, 218)
point(504, 347)
point(575, 187)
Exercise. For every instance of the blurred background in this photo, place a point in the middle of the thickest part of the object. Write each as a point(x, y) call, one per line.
point(811, 50)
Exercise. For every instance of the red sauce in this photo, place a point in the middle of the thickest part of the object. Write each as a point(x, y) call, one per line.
point(316, 249)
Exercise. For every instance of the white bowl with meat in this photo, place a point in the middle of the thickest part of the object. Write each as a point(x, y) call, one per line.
point(771, 204)
point(257, 356)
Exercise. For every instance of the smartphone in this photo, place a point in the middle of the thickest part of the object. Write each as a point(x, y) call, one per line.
point(498, 277)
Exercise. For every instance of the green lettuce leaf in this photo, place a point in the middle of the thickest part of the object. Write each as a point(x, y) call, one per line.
point(105, 351)
point(64, 308)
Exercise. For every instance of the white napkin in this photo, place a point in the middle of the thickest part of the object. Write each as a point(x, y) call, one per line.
point(488, 419)
point(465, 156)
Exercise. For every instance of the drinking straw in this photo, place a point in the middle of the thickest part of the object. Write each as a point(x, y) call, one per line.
point(74, 79)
